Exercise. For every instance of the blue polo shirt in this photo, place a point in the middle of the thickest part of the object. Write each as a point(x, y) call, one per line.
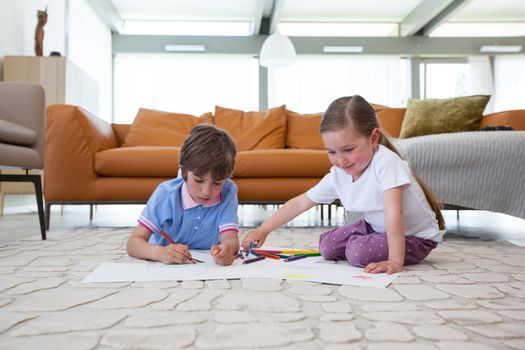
point(171, 209)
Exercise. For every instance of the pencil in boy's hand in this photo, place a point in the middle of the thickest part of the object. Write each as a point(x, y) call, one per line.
point(249, 261)
point(168, 238)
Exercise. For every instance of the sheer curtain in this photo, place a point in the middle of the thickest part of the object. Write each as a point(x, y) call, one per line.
point(509, 82)
point(313, 82)
point(480, 79)
point(184, 83)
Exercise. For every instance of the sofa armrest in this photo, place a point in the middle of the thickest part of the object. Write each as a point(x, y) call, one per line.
point(514, 118)
point(73, 137)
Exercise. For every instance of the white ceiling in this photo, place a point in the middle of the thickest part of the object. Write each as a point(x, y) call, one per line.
point(316, 17)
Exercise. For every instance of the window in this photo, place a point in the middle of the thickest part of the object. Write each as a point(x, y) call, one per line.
point(314, 81)
point(444, 78)
point(184, 83)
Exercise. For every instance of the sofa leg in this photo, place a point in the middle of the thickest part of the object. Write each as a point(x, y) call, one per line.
point(48, 215)
point(37, 182)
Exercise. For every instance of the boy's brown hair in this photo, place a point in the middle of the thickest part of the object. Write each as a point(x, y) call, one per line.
point(208, 149)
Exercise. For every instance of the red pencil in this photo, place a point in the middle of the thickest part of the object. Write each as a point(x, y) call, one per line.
point(168, 238)
point(271, 256)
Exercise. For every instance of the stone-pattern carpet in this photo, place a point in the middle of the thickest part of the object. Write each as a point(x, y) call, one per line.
point(468, 294)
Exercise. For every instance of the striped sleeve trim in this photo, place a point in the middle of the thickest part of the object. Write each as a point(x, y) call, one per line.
point(148, 224)
point(229, 227)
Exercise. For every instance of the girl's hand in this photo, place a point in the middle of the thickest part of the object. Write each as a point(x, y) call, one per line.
point(223, 254)
point(173, 254)
point(388, 266)
point(254, 235)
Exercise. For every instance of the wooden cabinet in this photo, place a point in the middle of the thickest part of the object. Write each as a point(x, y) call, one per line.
point(63, 82)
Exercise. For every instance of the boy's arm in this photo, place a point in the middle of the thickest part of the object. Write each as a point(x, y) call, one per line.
point(393, 207)
point(287, 212)
point(226, 252)
point(231, 239)
point(139, 247)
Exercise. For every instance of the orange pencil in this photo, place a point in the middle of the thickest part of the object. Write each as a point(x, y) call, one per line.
point(168, 238)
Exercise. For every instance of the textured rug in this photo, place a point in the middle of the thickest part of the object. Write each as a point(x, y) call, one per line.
point(468, 294)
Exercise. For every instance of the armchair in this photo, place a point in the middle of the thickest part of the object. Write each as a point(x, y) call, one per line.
point(22, 136)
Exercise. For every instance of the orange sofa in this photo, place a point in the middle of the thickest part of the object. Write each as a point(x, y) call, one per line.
point(280, 153)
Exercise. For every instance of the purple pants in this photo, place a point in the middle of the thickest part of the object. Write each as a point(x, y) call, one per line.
point(361, 245)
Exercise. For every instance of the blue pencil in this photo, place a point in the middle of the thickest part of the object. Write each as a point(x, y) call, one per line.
point(250, 247)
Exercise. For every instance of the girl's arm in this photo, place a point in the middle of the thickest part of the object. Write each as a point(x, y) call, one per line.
point(393, 207)
point(139, 247)
point(287, 212)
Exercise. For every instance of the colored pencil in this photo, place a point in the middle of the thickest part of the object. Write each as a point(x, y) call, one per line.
point(271, 256)
point(249, 261)
point(168, 238)
point(288, 251)
point(295, 257)
point(252, 243)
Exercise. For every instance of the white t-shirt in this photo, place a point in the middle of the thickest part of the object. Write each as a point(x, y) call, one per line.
point(386, 170)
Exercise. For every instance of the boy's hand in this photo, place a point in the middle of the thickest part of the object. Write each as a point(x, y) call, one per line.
point(173, 254)
point(223, 254)
point(254, 235)
point(388, 266)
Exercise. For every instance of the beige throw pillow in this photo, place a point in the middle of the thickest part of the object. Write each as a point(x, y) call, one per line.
point(437, 116)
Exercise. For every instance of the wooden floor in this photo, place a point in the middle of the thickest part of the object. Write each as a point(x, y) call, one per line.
point(21, 220)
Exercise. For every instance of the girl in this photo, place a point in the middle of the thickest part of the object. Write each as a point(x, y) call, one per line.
point(402, 221)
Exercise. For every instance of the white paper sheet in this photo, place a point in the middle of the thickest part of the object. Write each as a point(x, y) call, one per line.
point(314, 269)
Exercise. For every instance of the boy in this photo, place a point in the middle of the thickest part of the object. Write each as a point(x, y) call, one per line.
point(198, 210)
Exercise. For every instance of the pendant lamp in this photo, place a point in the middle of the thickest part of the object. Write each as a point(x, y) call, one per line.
point(277, 50)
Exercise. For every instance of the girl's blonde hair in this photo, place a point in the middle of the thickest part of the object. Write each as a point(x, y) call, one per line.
point(357, 111)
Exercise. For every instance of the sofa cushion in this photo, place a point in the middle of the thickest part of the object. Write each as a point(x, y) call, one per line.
point(282, 163)
point(140, 161)
point(157, 128)
point(16, 134)
point(436, 116)
point(302, 131)
point(390, 120)
point(253, 130)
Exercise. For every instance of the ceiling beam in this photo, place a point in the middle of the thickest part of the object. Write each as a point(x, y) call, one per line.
point(419, 46)
point(443, 16)
point(108, 13)
point(275, 17)
point(421, 15)
point(258, 14)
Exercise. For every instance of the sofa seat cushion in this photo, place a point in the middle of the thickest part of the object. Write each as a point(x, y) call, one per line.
point(253, 130)
point(157, 128)
point(16, 134)
point(282, 163)
point(138, 162)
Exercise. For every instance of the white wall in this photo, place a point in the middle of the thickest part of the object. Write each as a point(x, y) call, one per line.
point(90, 49)
point(89, 39)
point(18, 22)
